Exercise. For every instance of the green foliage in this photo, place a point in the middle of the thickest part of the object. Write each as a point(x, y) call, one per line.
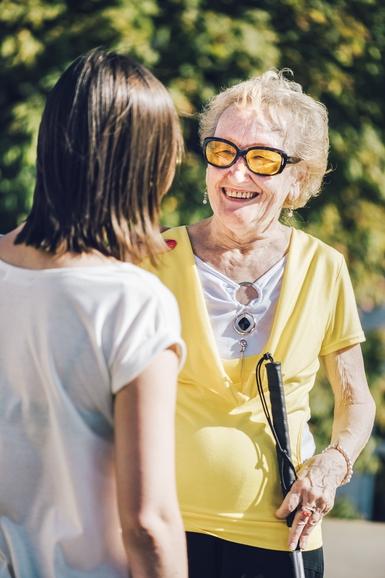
point(37, 40)
point(344, 508)
point(196, 47)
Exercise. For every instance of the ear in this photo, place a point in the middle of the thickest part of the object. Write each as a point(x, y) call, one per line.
point(299, 176)
point(292, 196)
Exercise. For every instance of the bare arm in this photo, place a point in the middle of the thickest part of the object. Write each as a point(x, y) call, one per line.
point(144, 437)
point(320, 476)
point(354, 408)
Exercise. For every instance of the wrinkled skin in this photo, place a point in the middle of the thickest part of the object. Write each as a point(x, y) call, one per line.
point(320, 476)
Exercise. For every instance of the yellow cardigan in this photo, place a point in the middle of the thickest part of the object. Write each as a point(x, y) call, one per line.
point(227, 476)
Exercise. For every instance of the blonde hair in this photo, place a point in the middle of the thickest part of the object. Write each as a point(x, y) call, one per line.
point(302, 121)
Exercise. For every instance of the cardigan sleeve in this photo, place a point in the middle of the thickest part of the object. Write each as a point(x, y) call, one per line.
point(344, 327)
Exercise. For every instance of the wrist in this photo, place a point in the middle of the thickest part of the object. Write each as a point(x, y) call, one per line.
point(348, 462)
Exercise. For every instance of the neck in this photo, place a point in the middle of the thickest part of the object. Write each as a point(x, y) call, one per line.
point(245, 240)
point(241, 257)
point(28, 257)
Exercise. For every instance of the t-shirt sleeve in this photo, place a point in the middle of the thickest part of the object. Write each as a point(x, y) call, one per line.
point(149, 324)
point(344, 327)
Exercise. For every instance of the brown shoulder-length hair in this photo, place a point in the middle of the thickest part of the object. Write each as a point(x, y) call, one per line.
point(108, 145)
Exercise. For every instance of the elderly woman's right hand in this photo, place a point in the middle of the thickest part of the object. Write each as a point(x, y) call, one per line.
point(312, 494)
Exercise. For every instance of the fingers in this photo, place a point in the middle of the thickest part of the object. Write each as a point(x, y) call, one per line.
point(304, 522)
point(290, 503)
point(299, 524)
point(300, 493)
point(313, 520)
point(307, 490)
point(312, 496)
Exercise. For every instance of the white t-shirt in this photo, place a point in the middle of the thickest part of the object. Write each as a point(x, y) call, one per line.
point(69, 339)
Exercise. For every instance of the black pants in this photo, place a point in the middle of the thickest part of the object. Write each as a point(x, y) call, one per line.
point(211, 557)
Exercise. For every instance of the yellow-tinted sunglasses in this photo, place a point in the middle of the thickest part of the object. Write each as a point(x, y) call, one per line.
point(260, 160)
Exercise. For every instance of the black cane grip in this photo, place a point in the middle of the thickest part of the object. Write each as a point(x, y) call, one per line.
point(286, 472)
point(290, 518)
point(279, 416)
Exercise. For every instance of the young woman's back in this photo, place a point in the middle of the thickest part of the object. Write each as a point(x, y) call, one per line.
point(87, 389)
point(70, 338)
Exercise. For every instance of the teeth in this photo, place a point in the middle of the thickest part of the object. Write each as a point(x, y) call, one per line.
point(240, 194)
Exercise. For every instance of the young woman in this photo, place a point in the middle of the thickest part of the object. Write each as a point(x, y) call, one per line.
point(90, 343)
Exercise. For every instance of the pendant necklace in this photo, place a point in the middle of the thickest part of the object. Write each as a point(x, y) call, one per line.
point(244, 323)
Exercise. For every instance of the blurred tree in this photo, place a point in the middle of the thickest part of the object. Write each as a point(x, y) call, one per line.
point(336, 51)
point(37, 40)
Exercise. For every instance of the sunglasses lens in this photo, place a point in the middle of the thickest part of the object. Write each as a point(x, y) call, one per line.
point(263, 161)
point(220, 154)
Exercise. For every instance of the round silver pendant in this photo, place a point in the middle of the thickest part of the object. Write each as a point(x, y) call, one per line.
point(244, 323)
point(246, 292)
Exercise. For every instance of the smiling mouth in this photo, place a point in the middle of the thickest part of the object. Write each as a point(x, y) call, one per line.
point(240, 195)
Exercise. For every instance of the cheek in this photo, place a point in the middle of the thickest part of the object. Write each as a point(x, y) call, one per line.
point(213, 177)
point(207, 179)
point(279, 189)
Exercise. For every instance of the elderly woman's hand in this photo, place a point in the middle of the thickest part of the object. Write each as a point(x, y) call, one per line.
point(312, 494)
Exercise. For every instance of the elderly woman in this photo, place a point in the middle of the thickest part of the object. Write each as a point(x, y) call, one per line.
point(247, 284)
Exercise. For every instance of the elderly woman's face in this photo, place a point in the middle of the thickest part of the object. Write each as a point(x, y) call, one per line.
point(239, 198)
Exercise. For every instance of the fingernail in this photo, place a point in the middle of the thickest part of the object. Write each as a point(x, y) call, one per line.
point(292, 546)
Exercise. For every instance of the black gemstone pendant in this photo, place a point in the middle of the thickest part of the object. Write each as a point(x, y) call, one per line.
point(244, 323)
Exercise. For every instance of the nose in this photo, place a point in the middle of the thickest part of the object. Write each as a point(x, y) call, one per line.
point(240, 171)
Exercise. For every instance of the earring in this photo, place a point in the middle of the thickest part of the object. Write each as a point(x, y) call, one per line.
point(290, 212)
point(205, 198)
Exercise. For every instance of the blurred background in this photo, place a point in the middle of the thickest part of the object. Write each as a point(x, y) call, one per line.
point(335, 50)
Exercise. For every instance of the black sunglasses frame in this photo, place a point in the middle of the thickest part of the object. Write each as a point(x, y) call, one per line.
point(285, 159)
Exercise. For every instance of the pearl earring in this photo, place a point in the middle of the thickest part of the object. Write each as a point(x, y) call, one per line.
point(290, 212)
point(205, 198)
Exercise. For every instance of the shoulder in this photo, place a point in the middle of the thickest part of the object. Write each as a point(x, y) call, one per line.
point(130, 299)
point(317, 248)
point(177, 233)
point(134, 280)
point(115, 288)
point(177, 252)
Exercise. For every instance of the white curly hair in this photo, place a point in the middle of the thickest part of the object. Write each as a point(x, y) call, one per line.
point(301, 119)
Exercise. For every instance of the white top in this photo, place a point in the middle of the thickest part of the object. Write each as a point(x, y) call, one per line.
point(69, 339)
point(222, 306)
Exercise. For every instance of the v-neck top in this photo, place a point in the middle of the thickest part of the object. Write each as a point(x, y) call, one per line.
point(228, 482)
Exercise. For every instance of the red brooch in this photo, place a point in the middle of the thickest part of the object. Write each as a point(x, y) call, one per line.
point(171, 243)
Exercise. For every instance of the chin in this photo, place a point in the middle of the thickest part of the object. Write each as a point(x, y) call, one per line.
point(242, 220)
